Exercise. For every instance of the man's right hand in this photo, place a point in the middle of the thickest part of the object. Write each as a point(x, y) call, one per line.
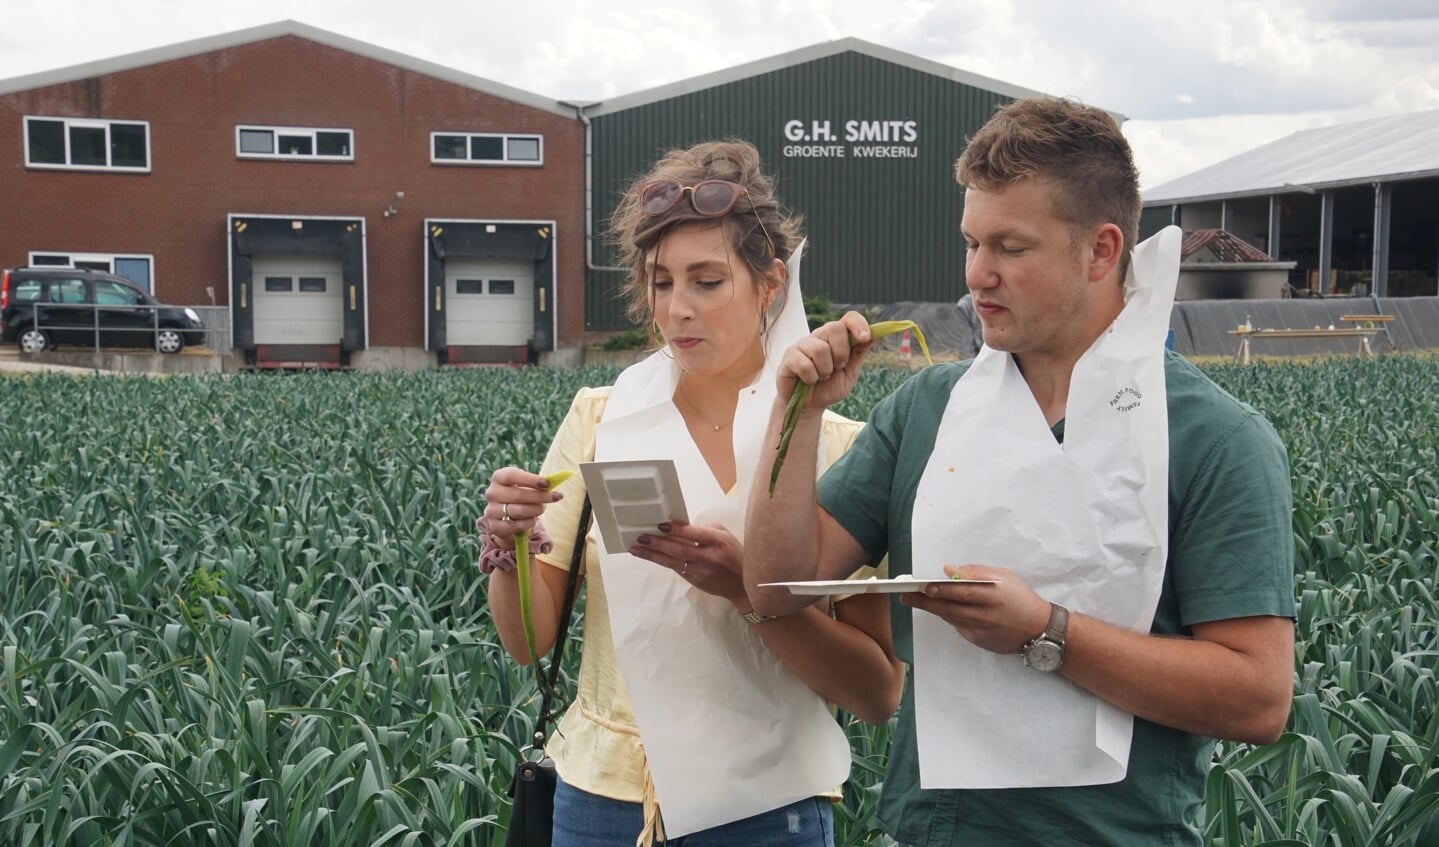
point(826, 360)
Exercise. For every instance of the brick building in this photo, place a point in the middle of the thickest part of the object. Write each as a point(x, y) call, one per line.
point(348, 204)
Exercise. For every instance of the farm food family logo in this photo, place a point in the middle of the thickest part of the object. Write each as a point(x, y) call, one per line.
point(878, 139)
point(1125, 399)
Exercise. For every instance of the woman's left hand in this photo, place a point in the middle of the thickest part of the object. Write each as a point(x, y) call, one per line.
point(707, 557)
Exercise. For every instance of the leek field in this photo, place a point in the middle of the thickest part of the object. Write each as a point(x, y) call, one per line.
point(244, 610)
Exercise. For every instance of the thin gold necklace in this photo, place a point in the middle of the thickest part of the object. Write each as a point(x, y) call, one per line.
point(696, 409)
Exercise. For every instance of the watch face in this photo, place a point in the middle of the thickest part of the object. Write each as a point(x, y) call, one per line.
point(1044, 656)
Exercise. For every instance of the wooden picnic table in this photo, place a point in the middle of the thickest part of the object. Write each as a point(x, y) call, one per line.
point(1362, 333)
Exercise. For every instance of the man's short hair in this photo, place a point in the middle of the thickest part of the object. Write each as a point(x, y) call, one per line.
point(1078, 149)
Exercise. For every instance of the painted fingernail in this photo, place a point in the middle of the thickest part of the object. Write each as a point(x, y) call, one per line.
point(643, 539)
point(664, 527)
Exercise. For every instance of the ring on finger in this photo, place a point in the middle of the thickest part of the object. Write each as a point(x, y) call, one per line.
point(686, 569)
point(505, 513)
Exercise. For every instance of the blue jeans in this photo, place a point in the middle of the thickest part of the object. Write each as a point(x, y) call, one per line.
point(588, 820)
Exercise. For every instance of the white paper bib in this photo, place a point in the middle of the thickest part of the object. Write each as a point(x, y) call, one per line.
point(728, 731)
point(1084, 523)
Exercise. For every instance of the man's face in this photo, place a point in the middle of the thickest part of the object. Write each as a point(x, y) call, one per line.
point(1024, 270)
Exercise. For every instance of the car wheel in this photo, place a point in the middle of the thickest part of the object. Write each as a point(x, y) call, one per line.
point(169, 340)
point(33, 341)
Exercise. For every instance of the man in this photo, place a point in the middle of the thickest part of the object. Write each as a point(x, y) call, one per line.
point(1122, 524)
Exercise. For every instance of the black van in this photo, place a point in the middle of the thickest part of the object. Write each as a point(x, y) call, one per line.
point(44, 307)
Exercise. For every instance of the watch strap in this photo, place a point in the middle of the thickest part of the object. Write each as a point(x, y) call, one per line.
point(1045, 652)
point(1058, 625)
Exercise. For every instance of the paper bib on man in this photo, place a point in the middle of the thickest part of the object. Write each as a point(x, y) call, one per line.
point(1085, 523)
point(728, 731)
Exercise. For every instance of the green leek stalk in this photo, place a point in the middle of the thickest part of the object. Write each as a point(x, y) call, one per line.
point(883, 329)
point(522, 569)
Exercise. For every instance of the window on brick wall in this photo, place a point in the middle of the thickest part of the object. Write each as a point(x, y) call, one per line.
point(136, 267)
point(87, 144)
point(486, 148)
point(306, 144)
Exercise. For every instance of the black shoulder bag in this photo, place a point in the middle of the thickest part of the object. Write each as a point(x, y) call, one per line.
point(533, 788)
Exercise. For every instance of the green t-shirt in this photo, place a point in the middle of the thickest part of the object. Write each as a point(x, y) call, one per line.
point(1231, 555)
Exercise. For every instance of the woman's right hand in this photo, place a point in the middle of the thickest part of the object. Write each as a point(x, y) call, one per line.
point(826, 361)
point(514, 500)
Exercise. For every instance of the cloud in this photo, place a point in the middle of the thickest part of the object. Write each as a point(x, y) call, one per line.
point(1199, 80)
point(1415, 39)
point(1228, 57)
point(1134, 56)
point(1371, 10)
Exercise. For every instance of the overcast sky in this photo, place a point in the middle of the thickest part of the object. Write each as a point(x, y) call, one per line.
point(1199, 81)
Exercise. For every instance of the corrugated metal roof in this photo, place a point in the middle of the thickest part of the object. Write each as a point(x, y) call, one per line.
point(1379, 150)
point(1226, 246)
point(810, 54)
point(239, 37)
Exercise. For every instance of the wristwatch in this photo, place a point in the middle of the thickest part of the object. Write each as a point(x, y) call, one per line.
point(754, 617)
point(1045, 652)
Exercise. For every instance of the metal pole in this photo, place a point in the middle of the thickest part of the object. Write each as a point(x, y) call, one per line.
point(1276, 208)
point(95, 316)
point(1326, 239)
point(1380, 264)
point(1374, 298)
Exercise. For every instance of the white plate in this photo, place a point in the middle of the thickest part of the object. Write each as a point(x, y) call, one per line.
point(869, 586)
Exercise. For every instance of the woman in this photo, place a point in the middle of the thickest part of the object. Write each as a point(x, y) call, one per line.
point(696, 719)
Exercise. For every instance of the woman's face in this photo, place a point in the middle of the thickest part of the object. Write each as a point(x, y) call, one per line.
point(706, 301)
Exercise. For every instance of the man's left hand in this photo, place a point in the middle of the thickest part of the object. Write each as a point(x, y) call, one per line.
point(1000, 618)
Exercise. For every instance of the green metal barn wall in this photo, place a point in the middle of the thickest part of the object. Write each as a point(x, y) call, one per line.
point(1153, 219)
point(881, 229)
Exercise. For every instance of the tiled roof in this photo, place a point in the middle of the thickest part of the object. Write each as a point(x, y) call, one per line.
point(1227, 246)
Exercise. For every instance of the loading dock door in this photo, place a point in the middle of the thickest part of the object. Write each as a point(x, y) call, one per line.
point(488, 302)
point(298, 299)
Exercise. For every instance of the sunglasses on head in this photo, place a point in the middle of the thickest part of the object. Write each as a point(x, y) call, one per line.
point(711, 198)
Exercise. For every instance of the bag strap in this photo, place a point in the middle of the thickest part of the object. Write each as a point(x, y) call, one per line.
point(572, 582)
